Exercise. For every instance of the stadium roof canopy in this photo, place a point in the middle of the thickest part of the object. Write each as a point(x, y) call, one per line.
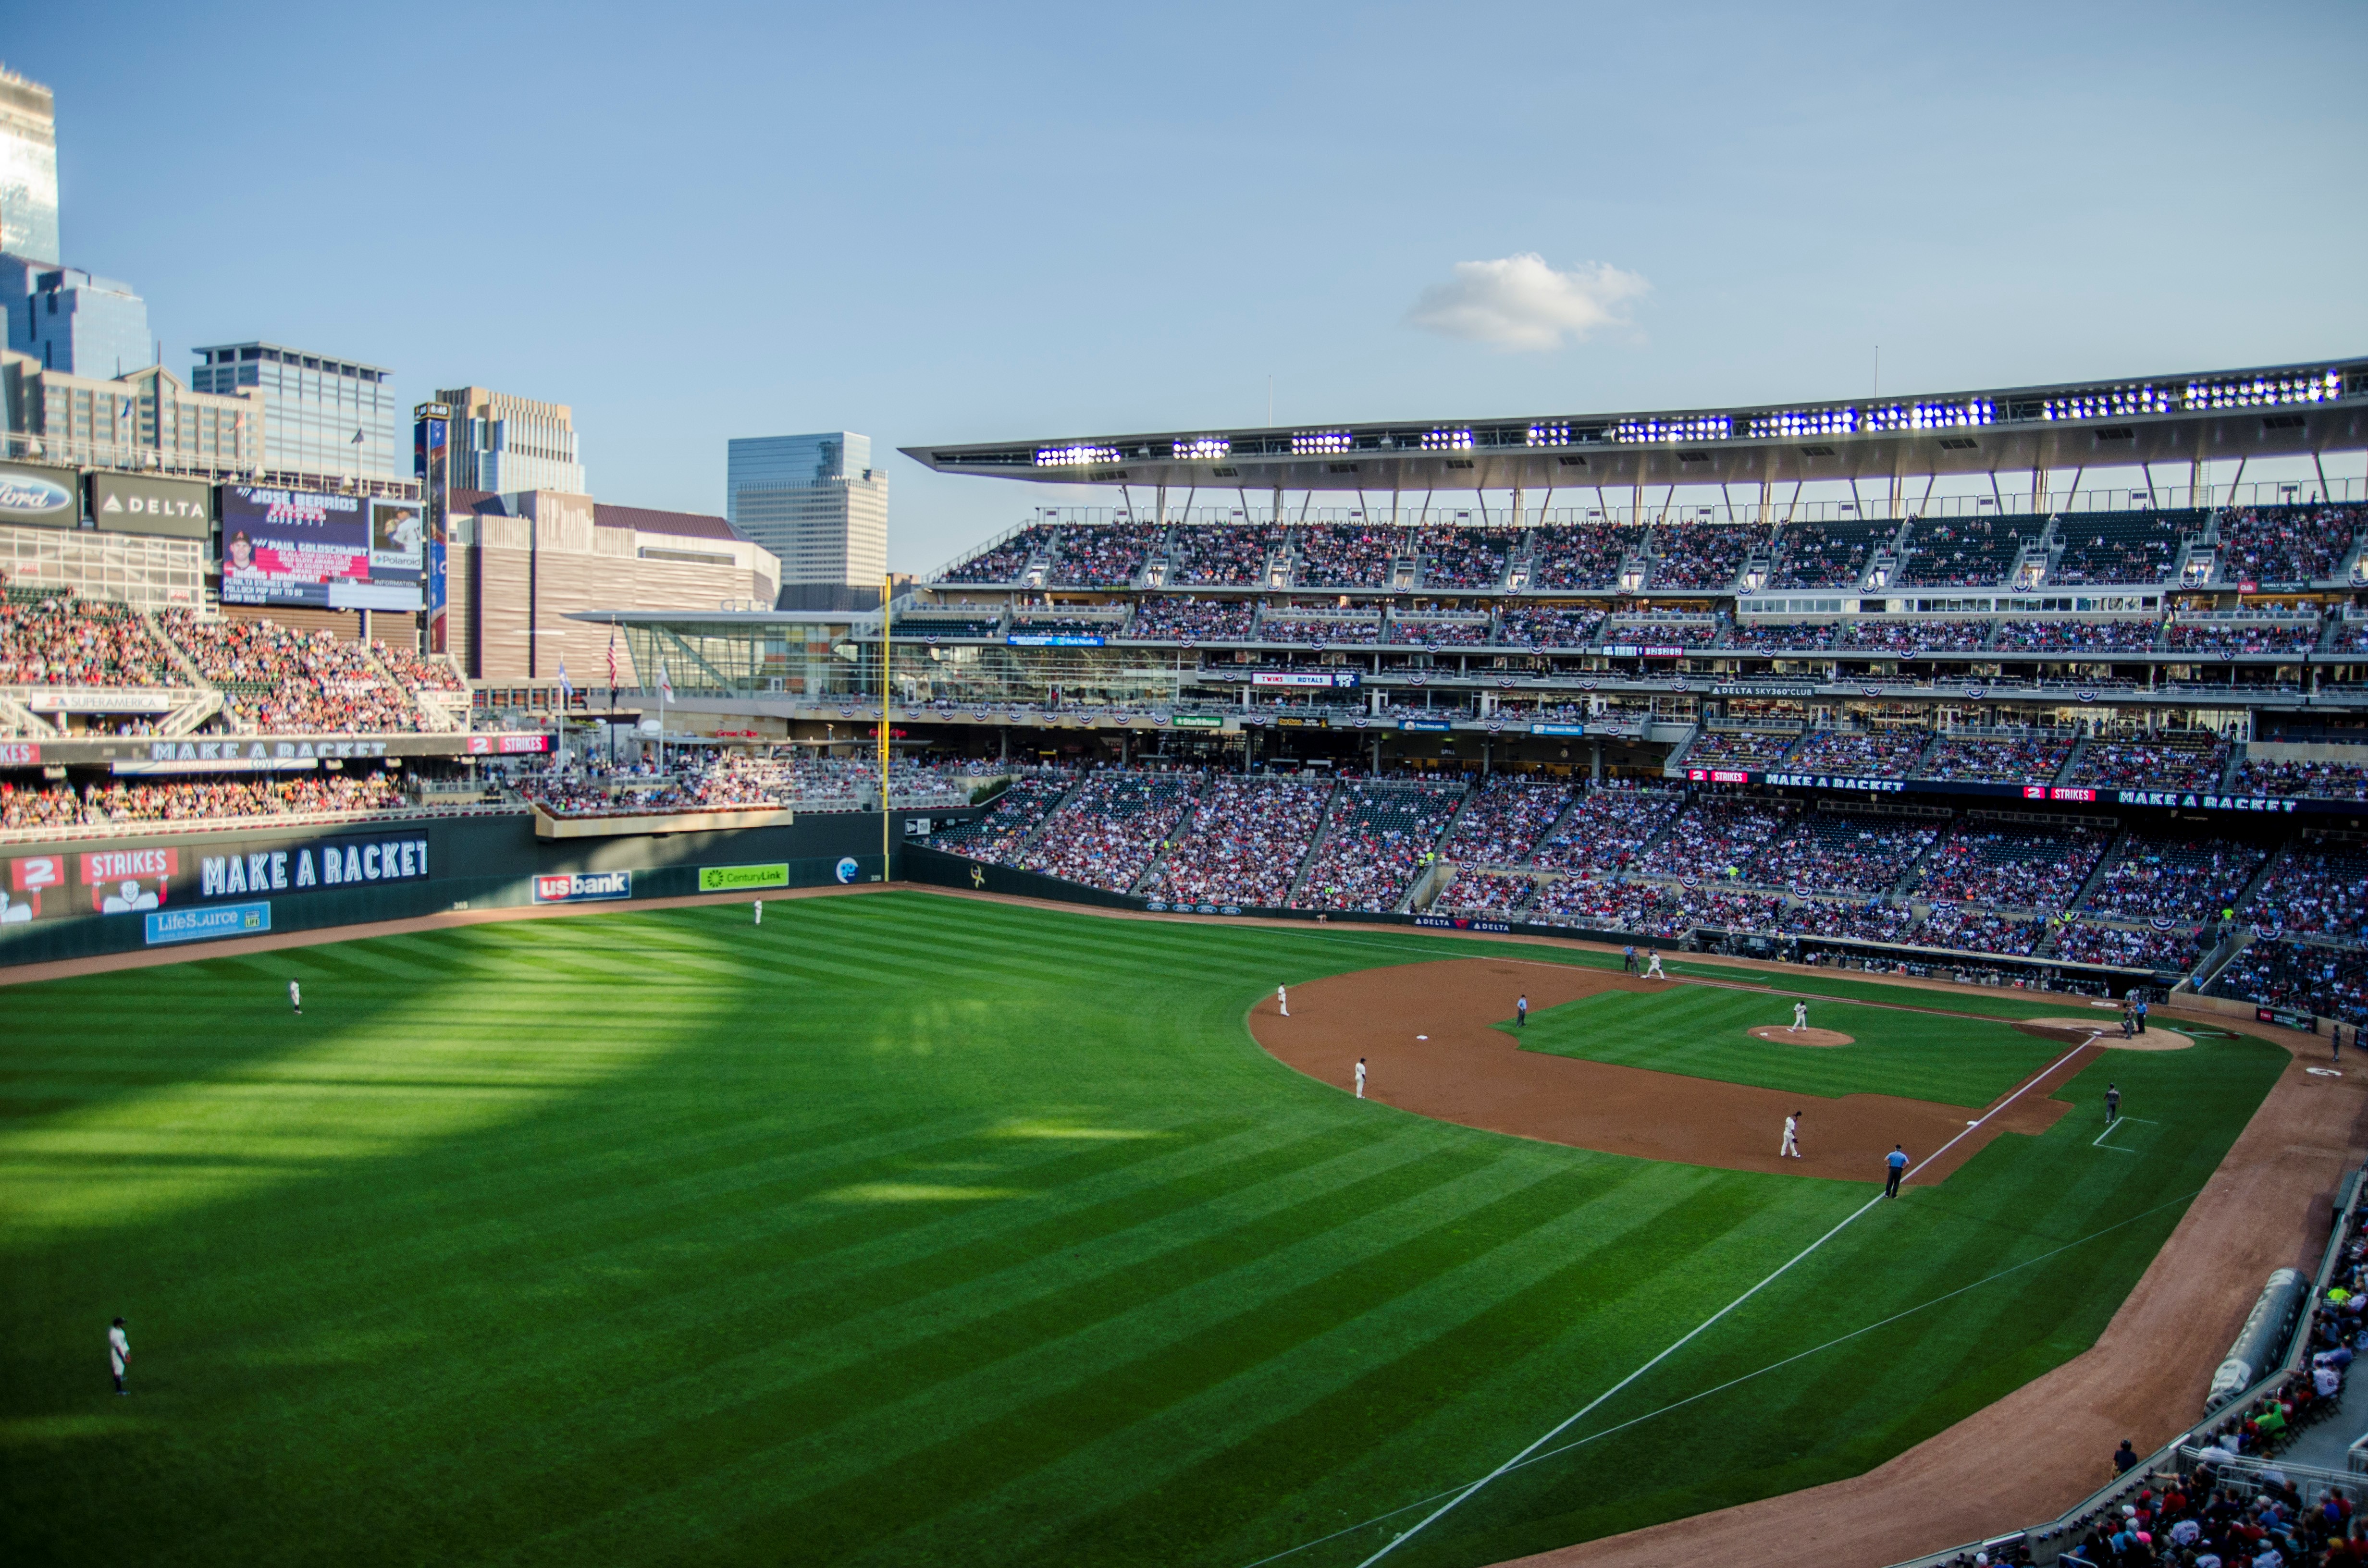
point(2204, 415)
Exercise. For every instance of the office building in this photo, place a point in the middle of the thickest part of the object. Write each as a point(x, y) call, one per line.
point(145, 419)
point(324, 418)
point(819, 506)
point(73, 322)
point(29, 170)
point(504, 444)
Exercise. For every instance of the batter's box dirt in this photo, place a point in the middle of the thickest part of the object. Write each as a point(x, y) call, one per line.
point(1473, 1073)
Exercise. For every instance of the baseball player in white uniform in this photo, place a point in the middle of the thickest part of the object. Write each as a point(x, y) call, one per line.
point(119, 1354)
point(1361, 1078)
point(1800, 1016)
point(1792, 1146)
point(758, 905)
point(1282, 1004)
point(295, 998)
point(1653, 968)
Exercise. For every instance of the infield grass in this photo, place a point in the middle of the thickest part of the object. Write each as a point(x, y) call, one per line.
point(914, 1230)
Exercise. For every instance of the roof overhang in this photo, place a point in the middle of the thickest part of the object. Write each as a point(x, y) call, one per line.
point(2207, 416)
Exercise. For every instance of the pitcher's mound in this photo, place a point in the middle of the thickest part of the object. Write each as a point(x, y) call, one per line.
point(1781, 1035)
point(2072, 1031)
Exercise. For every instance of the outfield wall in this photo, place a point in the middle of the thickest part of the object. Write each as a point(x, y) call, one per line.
point(84, 897)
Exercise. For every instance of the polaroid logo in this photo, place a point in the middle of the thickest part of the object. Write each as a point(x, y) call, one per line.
point(575, 887)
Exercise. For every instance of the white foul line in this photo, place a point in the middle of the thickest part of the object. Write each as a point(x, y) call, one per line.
point(1589, 1409)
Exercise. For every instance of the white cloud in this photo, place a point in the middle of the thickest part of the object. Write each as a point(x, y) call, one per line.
point(1519, 302)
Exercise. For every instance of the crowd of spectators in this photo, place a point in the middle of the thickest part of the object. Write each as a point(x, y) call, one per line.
point(1782, 636)
point(1465, 557)
point(2138, 548)
point(64, 641)
point(1716, 838)
point(1724, 911)
point(1834, 852)
point(1504, 818)
point(1657, 632)
point(1979, 930)
point(1863, 754)
point(931, 629)
point(2279, 973)
point(1566, 556)
point(1349, 555)
point(2126, 947)
point(1504, 895)
point(1109, 555)
point(279, 680)
point(2011, 866)
point(1740, 749)
point(1244, 845)
point(420, 674)
point(2234, 637)
point(2158, 763)
point(2319, 889)
point(1701, 555)
point(1607, 829)
point(1433, 632)
point(1321, 630)
point(1965, 552)
point(1166, 618)
point(2285, 544)
point(2314, 780)
point(1549, 626)
point(1646, 907)
point(2077, 636)
point(1921, 638)
point(1107, 832)
point(1005, 561)
point(1825, 555)
point(997, 832)
point(1872, 920)
point(62, 805)
point(1229, 554)
point(2035, 757)
point(2188, 880)
point(1381, 836)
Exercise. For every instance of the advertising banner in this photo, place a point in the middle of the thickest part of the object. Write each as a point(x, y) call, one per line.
point(288, 547)
point(214, 920)
point(1198, 721)
point(123, 881)
point(1428, 726)
point(39, 496)
point(356, 860)
point(135, 504)
point(576, 887)
point(19, 753)
point(736, 879)
point(1051, 639)
point(486, 745)
point(1304, 677)
point(1558, 729)
point(431, 465)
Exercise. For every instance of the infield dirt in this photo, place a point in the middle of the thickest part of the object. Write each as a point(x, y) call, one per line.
point(1473, 1073)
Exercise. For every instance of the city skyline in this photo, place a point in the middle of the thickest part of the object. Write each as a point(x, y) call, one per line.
point(1692, 209)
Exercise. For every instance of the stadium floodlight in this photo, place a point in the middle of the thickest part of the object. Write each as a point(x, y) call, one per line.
point(1200, 447)
point(1077, 456)
point(2113, 403)
point(1929, 415)
point(1782, 424)
point(1316, 443)
point(1554, 435)
point(1696, 427)
point(1447, 441)
point(2266, 392)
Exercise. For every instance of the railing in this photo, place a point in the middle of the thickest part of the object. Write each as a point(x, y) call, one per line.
point(133, 457)
point(143, 827)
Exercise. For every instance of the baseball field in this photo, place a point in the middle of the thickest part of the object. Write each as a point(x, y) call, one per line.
point(915, 1229)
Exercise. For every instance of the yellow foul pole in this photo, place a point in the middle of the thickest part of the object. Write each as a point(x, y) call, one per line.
point(887, 587)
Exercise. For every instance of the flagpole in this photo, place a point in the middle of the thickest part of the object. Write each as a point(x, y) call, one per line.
point(887, 644)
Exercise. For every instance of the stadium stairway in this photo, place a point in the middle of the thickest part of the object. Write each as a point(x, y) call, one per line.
point(1028, 840)
point(438, 721)
point(18, 719)
point(187, 665)
point(184, 720)
point(1675, 766)
point(1897, 891)
point(1315, 846)
point(1176, 837)
point(2220, 958)
point(2243, 903)
point(2071, 760)
point(1555, 827)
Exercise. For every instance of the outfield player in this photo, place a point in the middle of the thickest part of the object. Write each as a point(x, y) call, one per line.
point(296, 998)
point(1521, 1010)
point(1800, 1016)
point(1653, 966)
point(1361, 1078)
point(1897, 1162)
point(758, 905)
point(1792, 1145)
point(119, 1354)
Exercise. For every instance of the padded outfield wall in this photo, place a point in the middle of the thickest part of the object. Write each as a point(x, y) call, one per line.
point(82, 897)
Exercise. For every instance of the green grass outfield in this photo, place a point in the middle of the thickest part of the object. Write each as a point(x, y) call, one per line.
point(914, 1231)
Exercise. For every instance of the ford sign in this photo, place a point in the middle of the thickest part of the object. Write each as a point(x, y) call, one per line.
point(33, 494)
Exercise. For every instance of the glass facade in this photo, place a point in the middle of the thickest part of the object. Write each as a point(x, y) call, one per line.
point(73, 322)
point(29, 170)
point(321, 415)
point(815, 501)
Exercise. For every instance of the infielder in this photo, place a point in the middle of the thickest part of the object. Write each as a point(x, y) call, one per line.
point(1282, 1005)
point(1653, 966)
point(1361, 1078)
point(2113, 1104)
point(1792, 1146)
point(1897, 1162)
point(1800, 1016)
point(118, 1355)
point(295, 999)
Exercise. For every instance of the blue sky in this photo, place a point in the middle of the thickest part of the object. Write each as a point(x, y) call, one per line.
point(945, 224)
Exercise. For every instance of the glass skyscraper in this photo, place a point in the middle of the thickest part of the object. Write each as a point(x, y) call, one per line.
point(815, 502)
point(323, 415)
point(73, 322)
point(29, 170)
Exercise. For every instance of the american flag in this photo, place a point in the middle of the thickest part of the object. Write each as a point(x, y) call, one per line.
point(612, 658)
